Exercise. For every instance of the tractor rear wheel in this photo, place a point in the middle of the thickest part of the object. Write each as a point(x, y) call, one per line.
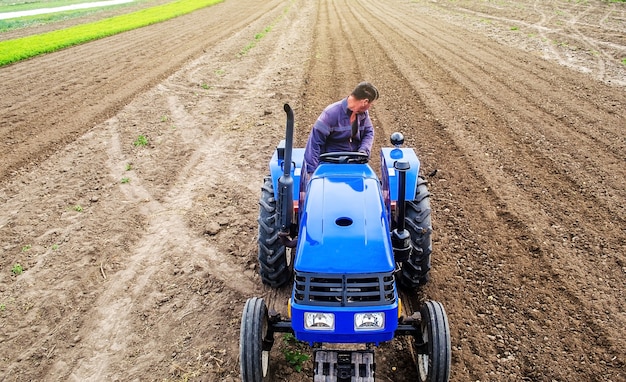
point(433, 357)
point(414, 272)
point(273, 267)
point(255, 341)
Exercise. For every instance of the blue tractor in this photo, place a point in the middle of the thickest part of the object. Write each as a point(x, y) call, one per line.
point(352, 237)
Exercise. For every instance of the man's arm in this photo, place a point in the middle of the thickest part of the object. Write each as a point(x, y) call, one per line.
point(368, 136)
point(315, 144)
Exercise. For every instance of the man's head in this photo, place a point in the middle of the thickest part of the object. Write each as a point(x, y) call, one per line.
point(365, 90)
point(362, 97)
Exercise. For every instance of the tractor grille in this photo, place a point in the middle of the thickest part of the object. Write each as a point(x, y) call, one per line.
point(344, 290)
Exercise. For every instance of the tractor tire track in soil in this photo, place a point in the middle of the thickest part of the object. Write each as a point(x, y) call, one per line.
point(145, 279)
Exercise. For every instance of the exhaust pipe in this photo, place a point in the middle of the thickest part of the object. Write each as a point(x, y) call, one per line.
point(285, 185)
point(400, 237)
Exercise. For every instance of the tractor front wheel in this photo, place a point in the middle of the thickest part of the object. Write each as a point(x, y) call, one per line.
point(433, 352)
point(255, 341)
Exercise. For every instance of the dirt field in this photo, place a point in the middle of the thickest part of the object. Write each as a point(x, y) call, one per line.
point(518, 105)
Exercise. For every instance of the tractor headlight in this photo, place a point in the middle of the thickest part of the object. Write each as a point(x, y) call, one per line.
point(369, 321)
point(319, 321)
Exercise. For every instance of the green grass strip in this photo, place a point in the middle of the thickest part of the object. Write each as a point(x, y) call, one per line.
point(22, 48)
point(45, 18)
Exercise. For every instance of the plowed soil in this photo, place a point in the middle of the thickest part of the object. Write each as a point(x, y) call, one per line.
point(137, 260)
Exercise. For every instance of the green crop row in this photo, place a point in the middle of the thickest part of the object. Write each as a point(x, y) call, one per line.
point(22, 48)
point(45, 18)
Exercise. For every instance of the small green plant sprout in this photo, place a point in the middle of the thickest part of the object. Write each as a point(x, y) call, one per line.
point(141, 141)
point(289, 339)
point(125, 180)
point(165, 118)
point(293, 352)
point(624, 61)
point(220, 72)
point(295, 358)
point(55, 247)
point(514, 28)
point(128, 167)
point(77, 208)
point(17, 269)
point(257, 37)
point(246, 48)
point(206, 86)
point(26, 248)
point(3, 307)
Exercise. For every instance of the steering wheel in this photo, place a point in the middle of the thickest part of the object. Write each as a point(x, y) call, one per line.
point(344, 157)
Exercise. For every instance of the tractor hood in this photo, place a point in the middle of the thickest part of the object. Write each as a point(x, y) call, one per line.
point(344, 227)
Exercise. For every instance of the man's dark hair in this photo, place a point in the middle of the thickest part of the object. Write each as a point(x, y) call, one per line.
point(365, 90)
